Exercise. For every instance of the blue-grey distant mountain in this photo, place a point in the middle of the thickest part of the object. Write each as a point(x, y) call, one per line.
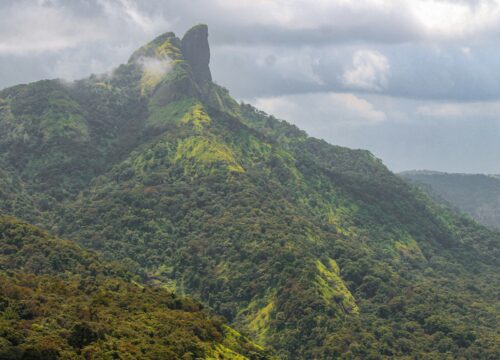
point(476, 195)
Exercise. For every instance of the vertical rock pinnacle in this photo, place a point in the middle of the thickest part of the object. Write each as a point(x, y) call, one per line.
point(196, 52)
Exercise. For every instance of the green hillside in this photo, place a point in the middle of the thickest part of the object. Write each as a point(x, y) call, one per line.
point(314, 250)
point(58, 301)
point(476, 195)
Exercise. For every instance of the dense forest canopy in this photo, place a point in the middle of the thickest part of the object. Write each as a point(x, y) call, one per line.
point(58, 300)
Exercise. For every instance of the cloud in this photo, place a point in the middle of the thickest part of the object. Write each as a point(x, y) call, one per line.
point(323, 111)
point(419, 71)
point(292, 22)
point(440, 111)
point(362, 110)
point(297, 22)
point(299, 65)
point(60, 39)
point(130, 13)
point(486, 110)
point(369, 71)
point(456, 19)
point(73, 63)
point(154, 66)
point(32, 27)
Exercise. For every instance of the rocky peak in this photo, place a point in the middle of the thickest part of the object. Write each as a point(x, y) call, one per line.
point(196, 52)
point(165, 45)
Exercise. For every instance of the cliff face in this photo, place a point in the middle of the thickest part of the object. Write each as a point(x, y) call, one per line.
point(196, 52)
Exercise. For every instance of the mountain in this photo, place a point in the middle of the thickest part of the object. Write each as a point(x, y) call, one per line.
point(58, 301)
point(476, 195)
point(313, 250)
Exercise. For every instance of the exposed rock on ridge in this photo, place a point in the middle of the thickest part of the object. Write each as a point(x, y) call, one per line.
point(196, 52)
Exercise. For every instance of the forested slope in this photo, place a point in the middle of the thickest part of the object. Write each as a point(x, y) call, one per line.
point(59, 301)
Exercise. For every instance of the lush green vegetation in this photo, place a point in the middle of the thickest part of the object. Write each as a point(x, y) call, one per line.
point(314, 250)
point(59, 301)
point(475, 195)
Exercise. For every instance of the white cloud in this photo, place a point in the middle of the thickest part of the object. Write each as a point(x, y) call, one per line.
point(433, 19)
point(323, 111)
point(441, 111)
point(360, 110)
point(129, 12)
point(281, 106)
point(369, 71)
point(466, 51)
point(154, 66)
point(467, 110)
point(456, 19)
point(29, 28)
point(82, 61)
point(302, 14)
point(32, 28)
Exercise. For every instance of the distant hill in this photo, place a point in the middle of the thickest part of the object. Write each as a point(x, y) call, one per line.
point(476, 195)
point(313, 250)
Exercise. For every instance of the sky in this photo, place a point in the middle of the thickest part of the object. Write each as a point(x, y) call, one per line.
point(417, 82)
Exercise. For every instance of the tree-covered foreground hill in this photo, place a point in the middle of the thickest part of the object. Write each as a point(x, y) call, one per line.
point(476, 195)
point(314, 250)
point(58, 301)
